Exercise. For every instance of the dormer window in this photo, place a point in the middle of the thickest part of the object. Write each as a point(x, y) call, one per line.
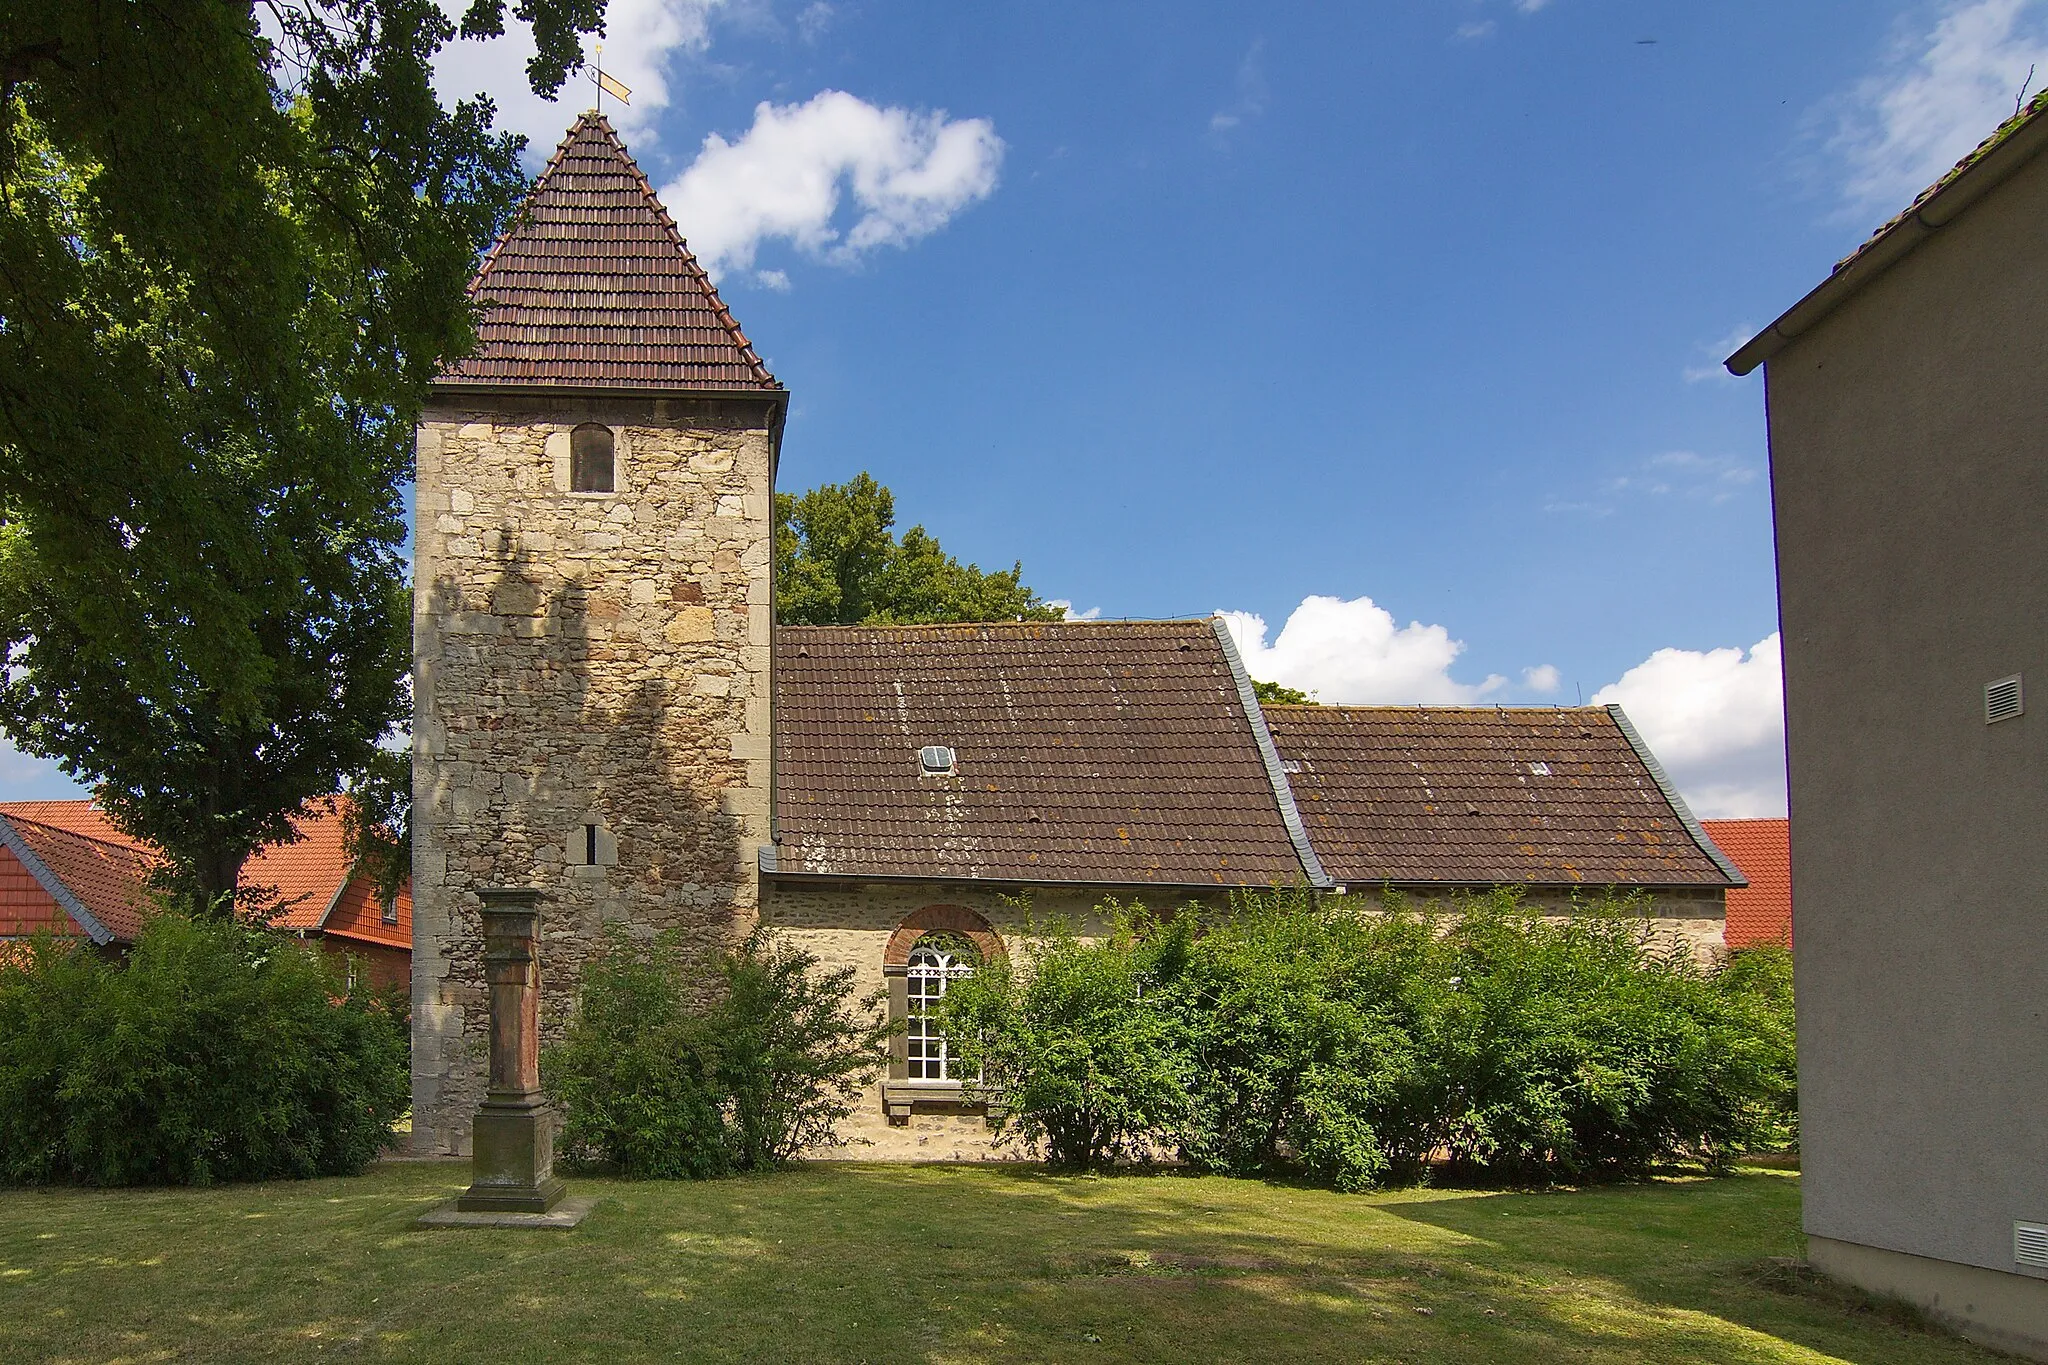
point(590, 459)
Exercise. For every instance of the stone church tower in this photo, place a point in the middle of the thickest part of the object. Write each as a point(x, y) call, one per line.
point(592, 617)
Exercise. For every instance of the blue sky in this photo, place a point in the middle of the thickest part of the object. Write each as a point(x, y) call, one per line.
point(1230, 307)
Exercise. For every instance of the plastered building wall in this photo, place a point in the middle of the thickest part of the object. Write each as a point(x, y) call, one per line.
point(1910, 490)
point(590, 676)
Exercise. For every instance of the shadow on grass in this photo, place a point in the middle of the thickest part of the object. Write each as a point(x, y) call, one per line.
point(1774, 1294)
point(940, 1264)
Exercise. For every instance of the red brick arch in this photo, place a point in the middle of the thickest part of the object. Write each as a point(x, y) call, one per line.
point(956, 919)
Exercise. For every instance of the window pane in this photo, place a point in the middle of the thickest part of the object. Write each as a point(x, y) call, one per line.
point(929, 971)
point(590, 459)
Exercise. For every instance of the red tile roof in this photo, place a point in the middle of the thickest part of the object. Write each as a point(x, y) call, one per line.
point(593, 287)
point(1762, 911)
point(104, 880)
point(1475, 796)
point(1108, 753)
point(307, 876)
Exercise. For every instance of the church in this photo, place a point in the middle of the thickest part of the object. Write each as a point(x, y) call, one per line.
point(606, 712)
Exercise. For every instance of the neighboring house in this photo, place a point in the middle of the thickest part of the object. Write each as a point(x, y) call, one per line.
point(1908, 410)
point(68, 869)
point(1760, 913)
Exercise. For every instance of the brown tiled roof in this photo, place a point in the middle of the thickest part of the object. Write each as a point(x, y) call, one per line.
point(1110, 753)
point(1762, 911)
point(593, 287)
point(104, 880)
point(1476, 796)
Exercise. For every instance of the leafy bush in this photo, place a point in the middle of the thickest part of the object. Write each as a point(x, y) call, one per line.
point(1359, 1047)
point(667, 1071)
point(217, 1051)
point(1085, 1060)
point(1305, 1025)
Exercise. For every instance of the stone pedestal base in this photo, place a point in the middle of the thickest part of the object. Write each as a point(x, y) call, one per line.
point(514, 1160)
point(564, 1215)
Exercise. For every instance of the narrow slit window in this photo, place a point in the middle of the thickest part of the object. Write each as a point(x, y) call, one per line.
point(590, 459)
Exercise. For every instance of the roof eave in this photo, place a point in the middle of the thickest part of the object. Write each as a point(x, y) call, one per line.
point(1943, 207)
point(1586, 884)
point(772, 869)
point(532, 388)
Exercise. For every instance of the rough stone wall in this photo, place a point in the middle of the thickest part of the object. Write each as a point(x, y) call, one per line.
point(1694, 919)
point(581, 660)
point(852, 926)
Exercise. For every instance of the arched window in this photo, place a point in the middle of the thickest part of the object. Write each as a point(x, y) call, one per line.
point(590, 459)
point(931, 969)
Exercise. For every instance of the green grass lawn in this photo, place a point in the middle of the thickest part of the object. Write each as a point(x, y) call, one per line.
point(903, 1263)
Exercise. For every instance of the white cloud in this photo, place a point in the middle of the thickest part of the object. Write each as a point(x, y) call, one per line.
point(1712, 479)
point(644, 40)
point(1687, 474)
point(1351, 652)
point(1717, 352)
point(1250, 98)
point(814, 20)
point(907, 173)
point(1716, 720)
point(1475, 28)
point(1092, 614)
point(1543, 679)
point(1942, 93)
point(1530, 6)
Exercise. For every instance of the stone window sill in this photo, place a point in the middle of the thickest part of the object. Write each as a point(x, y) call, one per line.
point(902, 1097)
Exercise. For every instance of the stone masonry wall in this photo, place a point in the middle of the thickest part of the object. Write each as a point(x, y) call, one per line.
point(590, 675)
point(851, 927)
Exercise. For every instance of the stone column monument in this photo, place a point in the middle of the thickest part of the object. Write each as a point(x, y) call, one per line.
point(513, 1182)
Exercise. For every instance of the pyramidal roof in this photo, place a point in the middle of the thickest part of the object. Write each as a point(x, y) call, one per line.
point(593, 287)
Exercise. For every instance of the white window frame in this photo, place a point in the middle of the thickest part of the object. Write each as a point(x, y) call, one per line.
point(928, 974)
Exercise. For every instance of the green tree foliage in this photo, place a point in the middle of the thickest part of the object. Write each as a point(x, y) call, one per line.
point(231, 258)
point(668, 1071)
point(1288, 1035)
point(217, 1051)
point(837, 562)
point(1274, 694)
point(1088, 1066)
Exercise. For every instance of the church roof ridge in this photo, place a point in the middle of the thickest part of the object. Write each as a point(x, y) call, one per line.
point(592, 286)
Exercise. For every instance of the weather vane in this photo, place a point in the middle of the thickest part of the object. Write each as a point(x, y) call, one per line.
point(605, 84)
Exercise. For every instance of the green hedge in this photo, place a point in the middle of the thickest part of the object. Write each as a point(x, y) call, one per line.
point(669, 1070)
point(215, 1052)
point(1358, 1048)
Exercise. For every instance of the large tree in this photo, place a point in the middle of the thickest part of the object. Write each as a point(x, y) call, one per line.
point(837, 562)
point(234, 242)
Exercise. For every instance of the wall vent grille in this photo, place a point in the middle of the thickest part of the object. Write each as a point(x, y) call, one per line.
point(2030, 1244)
point(2003, 700)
